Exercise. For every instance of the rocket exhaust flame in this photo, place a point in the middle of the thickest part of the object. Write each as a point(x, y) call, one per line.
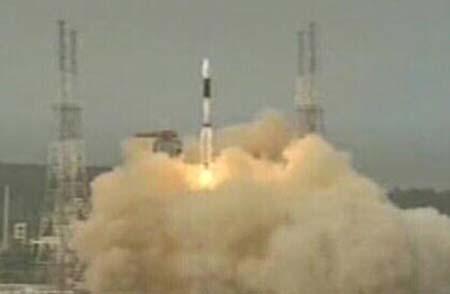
point(206, 178)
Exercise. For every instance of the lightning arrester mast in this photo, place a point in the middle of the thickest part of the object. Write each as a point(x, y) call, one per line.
point(310, 113)
point(66, 185)
point(300, 81)
point(73, 38)
point(62, 59)
point(206, 133)
point(312, 59)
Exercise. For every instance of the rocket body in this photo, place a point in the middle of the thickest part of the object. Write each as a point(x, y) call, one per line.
point(206, 133)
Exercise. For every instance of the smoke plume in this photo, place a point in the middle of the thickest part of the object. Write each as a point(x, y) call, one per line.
point(279, 216)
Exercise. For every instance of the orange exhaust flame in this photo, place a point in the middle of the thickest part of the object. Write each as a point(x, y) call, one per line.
point(206, 179)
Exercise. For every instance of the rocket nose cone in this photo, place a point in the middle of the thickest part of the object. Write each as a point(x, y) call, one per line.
point(205, 68)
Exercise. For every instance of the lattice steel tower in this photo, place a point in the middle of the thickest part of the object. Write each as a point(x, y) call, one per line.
point(66, 199)
point(309, 112)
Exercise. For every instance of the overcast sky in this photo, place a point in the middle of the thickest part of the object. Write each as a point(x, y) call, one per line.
point(384, 84)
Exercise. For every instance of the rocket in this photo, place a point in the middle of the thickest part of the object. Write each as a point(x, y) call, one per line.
point(206, 133)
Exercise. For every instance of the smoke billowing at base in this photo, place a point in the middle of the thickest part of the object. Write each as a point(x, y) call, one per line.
point(277, 215)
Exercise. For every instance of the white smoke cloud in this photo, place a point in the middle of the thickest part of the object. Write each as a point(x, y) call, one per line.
point(282, 216)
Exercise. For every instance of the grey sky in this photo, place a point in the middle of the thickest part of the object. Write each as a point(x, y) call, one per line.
point(385, 74)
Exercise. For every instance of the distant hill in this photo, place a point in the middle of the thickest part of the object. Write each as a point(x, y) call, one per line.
point(411, 198)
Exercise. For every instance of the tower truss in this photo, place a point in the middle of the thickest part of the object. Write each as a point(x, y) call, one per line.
point(309, 112)
point(66, 200)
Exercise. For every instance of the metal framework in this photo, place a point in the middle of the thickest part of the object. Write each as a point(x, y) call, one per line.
point(66, 199)
point(309, 112)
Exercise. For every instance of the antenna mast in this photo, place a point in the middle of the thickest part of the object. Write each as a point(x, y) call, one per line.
point(310, 113)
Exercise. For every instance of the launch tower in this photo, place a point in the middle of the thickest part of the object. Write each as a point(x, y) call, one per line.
point(66, 199)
